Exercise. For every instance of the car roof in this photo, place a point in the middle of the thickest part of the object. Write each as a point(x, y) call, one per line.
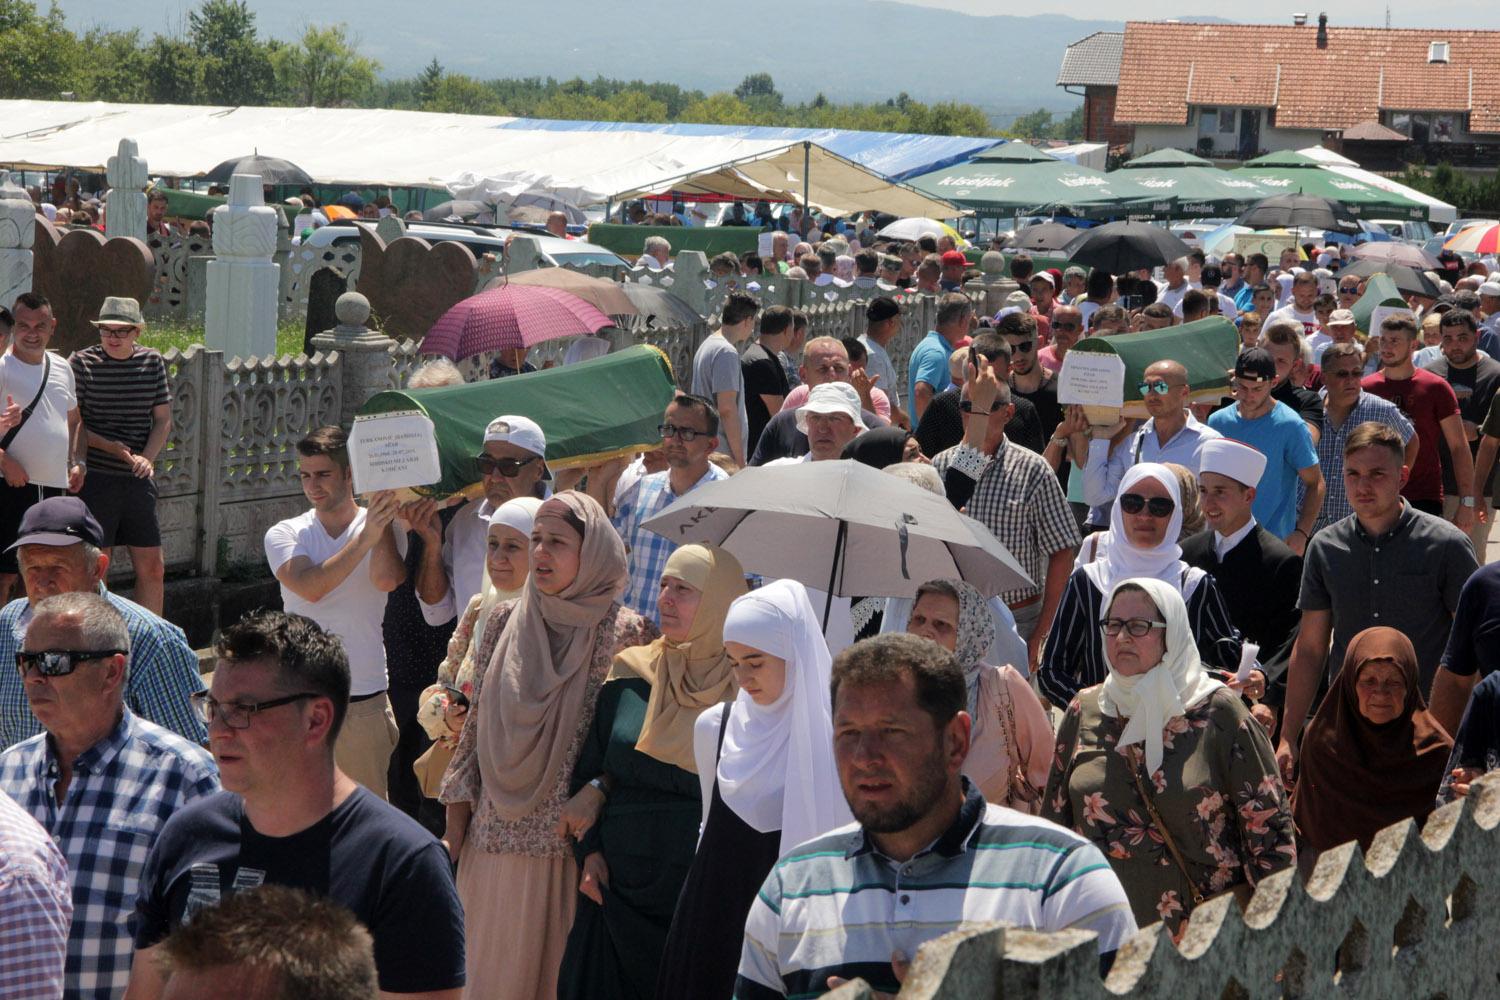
point(550, 245)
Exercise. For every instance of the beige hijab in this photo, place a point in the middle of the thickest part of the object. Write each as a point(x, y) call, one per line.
point(686, 678)
point(539, 669)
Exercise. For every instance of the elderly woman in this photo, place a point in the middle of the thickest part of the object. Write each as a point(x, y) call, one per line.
point(1164, 768)
point(636, 803)
point(1372, 755)
point(1011, 740)
point(1145, 522)
point(541, 663)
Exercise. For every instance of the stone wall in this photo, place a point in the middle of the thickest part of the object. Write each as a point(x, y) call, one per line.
point(1417, 918)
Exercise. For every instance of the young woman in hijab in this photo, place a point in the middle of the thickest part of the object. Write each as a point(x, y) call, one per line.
point(507, 561)
point(540, 664)
point(1372, 755)
point(768, 780)
point(1165, 769)
point(1141, 542)
point(636, 801)
point(1010, 744)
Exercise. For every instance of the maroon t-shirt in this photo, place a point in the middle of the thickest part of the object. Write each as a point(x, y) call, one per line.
point(1426, 399)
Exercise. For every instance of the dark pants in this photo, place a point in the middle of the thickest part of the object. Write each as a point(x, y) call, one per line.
point(405, 794)
point(1433, 507)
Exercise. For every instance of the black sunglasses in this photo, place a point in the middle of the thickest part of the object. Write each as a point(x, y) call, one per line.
point(1134, 503)
point(1022, 347)
point(60, 662)
point(510, 468)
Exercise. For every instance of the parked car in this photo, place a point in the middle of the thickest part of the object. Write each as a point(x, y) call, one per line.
point(479, 239)
point(1406, 230)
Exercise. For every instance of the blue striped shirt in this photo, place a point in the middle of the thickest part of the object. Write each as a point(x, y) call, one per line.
point(836, 906)
point(648, 551)
point(1369, 408)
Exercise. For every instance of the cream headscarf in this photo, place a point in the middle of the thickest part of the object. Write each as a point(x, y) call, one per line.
point(1168, 689)
point(530, 708)
point(688, 677)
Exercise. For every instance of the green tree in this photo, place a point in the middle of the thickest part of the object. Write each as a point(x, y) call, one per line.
point(237, 66)
point(41, 55)
point(112, 66)
point(759, 90)
point(173, 71)
point(428, 80)
point(1070, 127)
point(324, 69)
point(720, 109)
point(1037, 125)
point(456, 93)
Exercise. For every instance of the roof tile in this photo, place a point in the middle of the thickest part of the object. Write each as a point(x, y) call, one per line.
point(1092, 61)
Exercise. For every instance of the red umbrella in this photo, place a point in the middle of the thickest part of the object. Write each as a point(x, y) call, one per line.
point(510, 317)
point(1396, 253)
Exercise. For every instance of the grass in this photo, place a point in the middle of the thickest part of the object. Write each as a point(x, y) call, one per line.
point(167, 334)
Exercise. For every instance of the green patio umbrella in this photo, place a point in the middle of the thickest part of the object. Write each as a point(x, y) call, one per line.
point(1206, 348)
point(1290, 172)
point(1019, 179)
point(1184, 186)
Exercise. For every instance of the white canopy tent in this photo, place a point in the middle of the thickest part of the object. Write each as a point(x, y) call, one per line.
point(1440, 213)
point(462, 153)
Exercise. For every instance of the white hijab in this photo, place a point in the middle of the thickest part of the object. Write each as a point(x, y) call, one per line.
point(1117, 559)
point(776, 768)
point(517, 514)
point(1168, 689)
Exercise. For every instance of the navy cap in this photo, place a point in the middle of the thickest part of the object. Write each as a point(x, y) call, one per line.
point(58, 521)
point(1255, 364)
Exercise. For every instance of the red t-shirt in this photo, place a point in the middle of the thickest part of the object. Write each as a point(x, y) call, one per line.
point(1426, 399)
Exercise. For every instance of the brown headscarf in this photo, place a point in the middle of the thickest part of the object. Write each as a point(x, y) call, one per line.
point(1358, 778)
point(539, 670)
point(686, 678)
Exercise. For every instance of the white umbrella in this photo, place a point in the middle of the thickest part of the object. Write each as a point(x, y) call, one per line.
point(916, 227)
point(843, 528)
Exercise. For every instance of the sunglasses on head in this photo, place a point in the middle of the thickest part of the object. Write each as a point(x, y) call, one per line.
point(1161, 388)
point(1134, 503)
point(59, 662)
point(510, 468)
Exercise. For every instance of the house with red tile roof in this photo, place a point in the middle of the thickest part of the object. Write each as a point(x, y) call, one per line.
point(1235, 91)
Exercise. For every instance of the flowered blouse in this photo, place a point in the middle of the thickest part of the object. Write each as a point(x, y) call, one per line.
point(1218, 791)
point(456, 670)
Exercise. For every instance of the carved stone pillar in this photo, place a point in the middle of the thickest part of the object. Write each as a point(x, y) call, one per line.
point(364, 354)
point(125, 207)
point(17, 234)
point(243, 281)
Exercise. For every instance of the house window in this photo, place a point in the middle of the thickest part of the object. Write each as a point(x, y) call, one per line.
point(1208, 121)
point(1437, 52)
point(1226, 121)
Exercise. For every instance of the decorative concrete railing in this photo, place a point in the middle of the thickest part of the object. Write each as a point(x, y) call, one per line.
point(1417, 917)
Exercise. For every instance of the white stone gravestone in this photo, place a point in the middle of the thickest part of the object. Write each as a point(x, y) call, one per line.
point(243, 281)
point(17, 234)
point(125, 207)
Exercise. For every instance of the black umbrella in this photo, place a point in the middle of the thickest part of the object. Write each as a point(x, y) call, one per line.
point(462, 209)
point(1044, 236)
point(1299, 211)
point(271, 169)
point(1118, 247)
point(657, 307)
point(1409, 280)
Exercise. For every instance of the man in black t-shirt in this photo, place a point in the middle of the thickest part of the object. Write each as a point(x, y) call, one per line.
point(289, 816)
point(765, 380)
point(1474, 379)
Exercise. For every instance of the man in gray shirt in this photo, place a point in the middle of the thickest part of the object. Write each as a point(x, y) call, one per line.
point(1386, 564)
point(717, 375)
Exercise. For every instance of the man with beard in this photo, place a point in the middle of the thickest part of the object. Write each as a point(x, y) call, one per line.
point(900, 735)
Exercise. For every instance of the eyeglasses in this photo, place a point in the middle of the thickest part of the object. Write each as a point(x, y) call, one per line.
point(1158, 507)
point(234, 714)
point(1022, 347)
point(1067, 327)
point(684, 434)
point(1159, 387)
point(60, 662)
point(967, 406)
point(1329, 373)
point(1349, 289)
point(1137, 627)
point(510, 468)
point(120, 332)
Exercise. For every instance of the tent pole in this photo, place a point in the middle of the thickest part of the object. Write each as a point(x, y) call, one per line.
point(833, 574)
point(609, 206)
point(806, 169)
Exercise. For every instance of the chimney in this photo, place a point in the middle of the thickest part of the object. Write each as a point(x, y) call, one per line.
point(1299, 19)
point(1322, 31)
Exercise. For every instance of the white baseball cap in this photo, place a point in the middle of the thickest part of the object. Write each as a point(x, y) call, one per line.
point(830, 397)
point(523, 432)
point(1491, 288)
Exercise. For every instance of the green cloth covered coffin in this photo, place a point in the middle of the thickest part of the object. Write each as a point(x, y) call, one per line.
point(1380, 294)
point(1206, 348)
point(590, 412)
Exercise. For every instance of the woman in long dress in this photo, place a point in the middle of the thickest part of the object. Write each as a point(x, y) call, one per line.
point(636, 797)
point(541, 663)
point(1010, 744)
point(765, 764)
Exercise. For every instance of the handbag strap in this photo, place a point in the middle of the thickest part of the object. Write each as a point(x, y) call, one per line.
point(1161, 828)
point(10, 435)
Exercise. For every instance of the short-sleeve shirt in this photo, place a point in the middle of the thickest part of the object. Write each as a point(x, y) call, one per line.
point(352, 611)
point(1474, 644)
point(763, 376)
point(929, 363)
point(41, 445)
point(116, 397)
point(1426, 400)
point(1284, 439)
point(366, 855)
point(716, 369)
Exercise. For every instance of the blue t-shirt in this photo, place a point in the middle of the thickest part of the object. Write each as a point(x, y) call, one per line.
point(1284, 439)
point(929, 363)
point(365, 855)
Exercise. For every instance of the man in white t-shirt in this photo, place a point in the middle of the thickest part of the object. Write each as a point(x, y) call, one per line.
point(336, 563)
point(1300, 308)
point(45, 456)
point(1170, 292)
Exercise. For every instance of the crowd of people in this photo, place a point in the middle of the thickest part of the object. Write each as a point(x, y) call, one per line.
point(520, 746)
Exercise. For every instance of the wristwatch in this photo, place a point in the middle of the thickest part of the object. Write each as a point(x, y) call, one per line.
point(1466, 502)
point(599, 784)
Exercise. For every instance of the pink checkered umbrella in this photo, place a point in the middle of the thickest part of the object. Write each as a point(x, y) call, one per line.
point(510, 317)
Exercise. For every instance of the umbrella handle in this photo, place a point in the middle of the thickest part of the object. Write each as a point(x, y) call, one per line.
point(833, 573)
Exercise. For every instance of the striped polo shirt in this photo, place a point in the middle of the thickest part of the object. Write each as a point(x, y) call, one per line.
point(835, 906)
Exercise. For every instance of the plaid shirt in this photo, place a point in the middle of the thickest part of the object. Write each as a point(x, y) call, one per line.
point(1369, 407)
point(649, 552)
point(122, 790)
point(163, 672)
point(35, 908)
point(1017, 497)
